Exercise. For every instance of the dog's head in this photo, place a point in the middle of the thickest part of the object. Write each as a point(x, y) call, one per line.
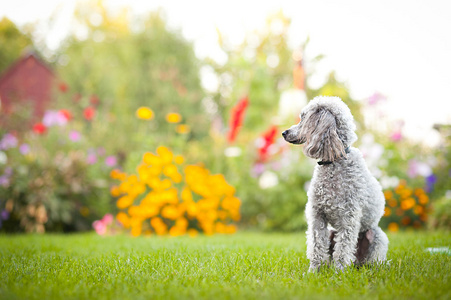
point(326, 128)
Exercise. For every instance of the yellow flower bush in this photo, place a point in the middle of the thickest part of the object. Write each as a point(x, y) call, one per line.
point(405, 207)
point(160, 199)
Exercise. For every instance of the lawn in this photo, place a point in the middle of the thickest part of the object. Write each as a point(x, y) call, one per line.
point(242, 266)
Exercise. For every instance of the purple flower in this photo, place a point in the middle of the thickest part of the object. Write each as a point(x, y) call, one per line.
point(24, 149)
point(4, 215)
point(257, 170)
point(52, 117)
point(8, 141)
point(74, 136)
point(111, 161)
point(4, 181)
point(92, 158)
point(430, 182)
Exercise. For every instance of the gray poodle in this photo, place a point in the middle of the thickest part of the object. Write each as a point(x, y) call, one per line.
point(343, 193)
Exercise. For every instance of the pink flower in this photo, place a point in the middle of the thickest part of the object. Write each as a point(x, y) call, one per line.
point(99, 227)
point(111, 161)
point(8, 141)
point(107, 219)
point(24, 149)
point(52, 117)
point(92, 158)
point(396, 136)
point(74, 136)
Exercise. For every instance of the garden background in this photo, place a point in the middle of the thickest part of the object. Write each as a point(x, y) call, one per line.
point(129, 97)
point(137, 163)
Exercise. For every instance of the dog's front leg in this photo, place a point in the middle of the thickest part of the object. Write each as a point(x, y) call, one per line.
point(317, 238)
point(346, 238)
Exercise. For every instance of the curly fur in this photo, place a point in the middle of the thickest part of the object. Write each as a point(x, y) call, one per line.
point(342, 193)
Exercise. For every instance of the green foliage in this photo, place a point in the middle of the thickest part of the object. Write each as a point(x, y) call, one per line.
point(441, 214)
point(243, 266)
point(12, 43)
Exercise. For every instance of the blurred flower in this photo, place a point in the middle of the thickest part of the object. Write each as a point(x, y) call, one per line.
point(63, 87)
point(418, 168)
point(376, 98)
point(267, 140)
point(74, 136)
point(99, 227)
point(91, 159)
point(4, 181)
point(8, 141)
point(66, 114)
point(430, 182)
point(396, 136)
point(393, 227)
point(268, 180)
point(39, 128)
point(4, 215)
point(144, 113)
point(182, 129)
point(107, 219)
point(77, 97)
point(237, 118)
point(257, 169)
point(111, 161)
point(94, 100)
point(3, 157)
point(53, 117)
point(24, 149)
point(101, 151)
point(173, 118)
point(89, 113)
point(232, 151)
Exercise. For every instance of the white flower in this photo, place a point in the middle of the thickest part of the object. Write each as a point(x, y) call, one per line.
point(232, 151)
point(268, 180)
point(3, 158)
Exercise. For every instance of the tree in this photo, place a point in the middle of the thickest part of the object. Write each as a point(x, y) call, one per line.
point(12, 43)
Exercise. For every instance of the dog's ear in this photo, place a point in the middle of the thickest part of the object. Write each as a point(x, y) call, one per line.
point(322, 140)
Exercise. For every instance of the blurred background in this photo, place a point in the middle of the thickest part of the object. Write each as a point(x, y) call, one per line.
point(90, 88)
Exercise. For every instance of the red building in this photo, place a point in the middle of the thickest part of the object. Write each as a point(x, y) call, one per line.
point(26, 84)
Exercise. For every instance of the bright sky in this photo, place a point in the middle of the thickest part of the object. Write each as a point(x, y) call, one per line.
point(399, 48)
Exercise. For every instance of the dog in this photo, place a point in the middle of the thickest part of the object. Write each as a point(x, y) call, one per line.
point(342, 193)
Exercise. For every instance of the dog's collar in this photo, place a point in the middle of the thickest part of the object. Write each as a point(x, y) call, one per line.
point(327, 162)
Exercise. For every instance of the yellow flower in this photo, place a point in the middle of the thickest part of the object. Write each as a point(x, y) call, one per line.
point(388, 195)
point(192, 232)
point(165, 154)
point(173, 118)
point(144, 113)
point(408, 203)
point(170, 212)
point(178, 159)
point(123, 219)
point(183, 129)
point(387, 212)
point(393, 227)
point(418, 210)
point(124, 202)
point(115, 191)
point(423, 199)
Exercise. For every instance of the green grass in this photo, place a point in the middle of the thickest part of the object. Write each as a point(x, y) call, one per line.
point(245, 265)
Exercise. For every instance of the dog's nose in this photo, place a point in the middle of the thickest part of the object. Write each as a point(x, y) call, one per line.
point(284, 134)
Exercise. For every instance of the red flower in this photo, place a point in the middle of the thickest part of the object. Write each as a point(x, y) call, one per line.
point(237, 117)
point(94, 100)
point(39, 128)
point(89, 113)
point(63, 87)
point(268, 139)
point(67, 114)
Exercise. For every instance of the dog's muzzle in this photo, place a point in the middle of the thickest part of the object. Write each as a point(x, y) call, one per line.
point(285, 135)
